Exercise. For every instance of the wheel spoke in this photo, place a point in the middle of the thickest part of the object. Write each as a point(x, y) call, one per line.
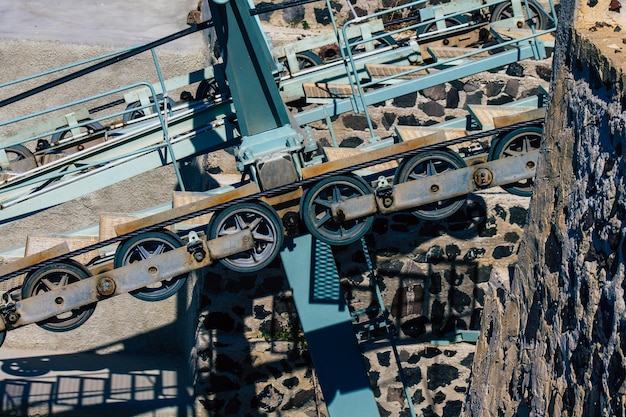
point(336, 194)
point(52, 277)
point(240, 223)
point(143, 252)
point(319, 221)
point(147, 246)
point(47, 283)
point(323, 202)
point(317, 213)
point(263, 237)
point(430, 168)
point(263, 223)
point(511, 152)
point(254, 224)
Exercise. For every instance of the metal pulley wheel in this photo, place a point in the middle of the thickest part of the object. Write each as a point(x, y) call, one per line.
point(428, 164)
point(66, 133)
point(515, 143)
point(146, 246)
point(52, 277)
point(16, 153)
point(315, 209)
point(267, 232)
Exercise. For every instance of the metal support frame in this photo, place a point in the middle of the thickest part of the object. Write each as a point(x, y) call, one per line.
point(125, 279)
point(310, 268)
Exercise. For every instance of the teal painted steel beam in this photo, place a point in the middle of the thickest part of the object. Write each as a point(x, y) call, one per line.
point(73, 187)
point(326, 322)
point(389, 92)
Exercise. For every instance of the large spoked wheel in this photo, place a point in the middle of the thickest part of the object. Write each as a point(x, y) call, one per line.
point(18, 153)
point(146, 246)
point(52, 277)
point(505, 11)
point(317, 215)
point(515, 143)
point(428, 164)
point(265, 226)
point(65, 133)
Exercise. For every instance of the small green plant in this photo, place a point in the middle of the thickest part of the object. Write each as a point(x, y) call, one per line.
point(286, 333)
point(305, 25)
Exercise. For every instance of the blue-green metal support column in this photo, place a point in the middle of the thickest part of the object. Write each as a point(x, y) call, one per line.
point(314, 280)
point(249, 67)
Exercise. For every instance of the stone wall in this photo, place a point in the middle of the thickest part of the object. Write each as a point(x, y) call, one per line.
point(250, 357)
point(555, 341)
point(432, 276)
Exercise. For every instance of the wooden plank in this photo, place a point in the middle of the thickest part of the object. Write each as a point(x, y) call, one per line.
point(325, 90)
point(246, 190)
point(447, 52)
point(417, 132)
point(485, 114)
point(34, 258)
point(182, 199)
point(386, 70)
point(108, 221)
point(502, 121)
point(335, 154)
point(39, 243)
point(508, 34)
point(394, 149)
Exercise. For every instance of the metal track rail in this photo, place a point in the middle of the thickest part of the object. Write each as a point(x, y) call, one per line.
point(268, 193)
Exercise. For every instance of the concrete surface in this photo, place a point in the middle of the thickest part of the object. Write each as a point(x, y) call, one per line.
point(131, 357)
point(47, 382)
point(116, 23)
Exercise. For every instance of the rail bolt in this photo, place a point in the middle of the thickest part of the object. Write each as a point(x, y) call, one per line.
point(13, 317)
point(106, 286)
point(483, 177)
point(199, 255)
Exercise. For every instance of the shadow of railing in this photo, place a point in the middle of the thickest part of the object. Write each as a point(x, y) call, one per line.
point(90, 383)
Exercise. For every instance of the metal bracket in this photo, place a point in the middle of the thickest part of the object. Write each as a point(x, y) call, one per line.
point(195, 246)
point(384, 191)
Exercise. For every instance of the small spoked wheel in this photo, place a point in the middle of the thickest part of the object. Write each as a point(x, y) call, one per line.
point(146, 246)
point(137, 111)
point(66, 133)
point(428, 164)
point(317, 215)
point(207, 90)
point(515, 143)
point(449, 22)
point(18, 153)
point(505, 11)
point(265, 226)
point(52, 277)
point(379, 43)
point(305, 60)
